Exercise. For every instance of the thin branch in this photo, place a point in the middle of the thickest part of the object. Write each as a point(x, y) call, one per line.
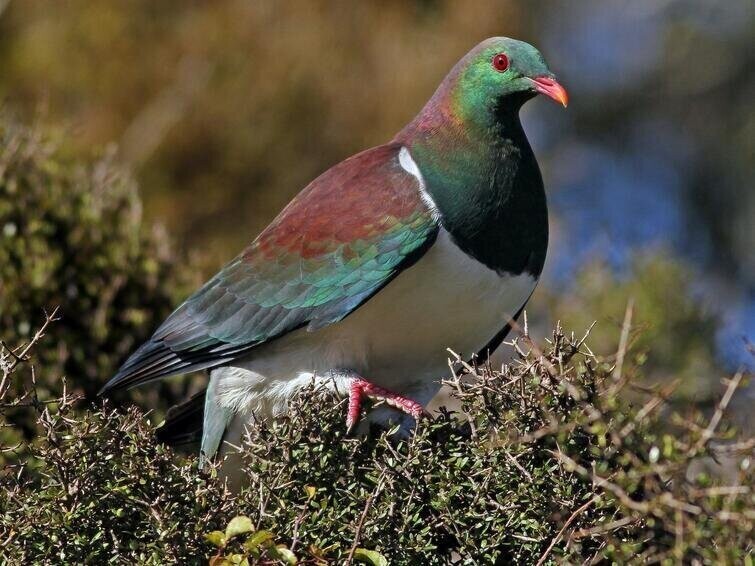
point(363, 517)
point(624, 339)
point(608, 527)
point(719, 413)
point(568, 522)
point(38, 335)
point(518, 465)
point(599, 481)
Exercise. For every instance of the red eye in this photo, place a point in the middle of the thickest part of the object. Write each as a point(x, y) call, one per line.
point(500, 62)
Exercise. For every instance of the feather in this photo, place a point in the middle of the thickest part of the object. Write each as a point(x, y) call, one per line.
point(344, 237)
point(183, 422)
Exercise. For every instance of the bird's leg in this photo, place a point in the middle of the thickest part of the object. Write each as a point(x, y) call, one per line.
point(360, 388)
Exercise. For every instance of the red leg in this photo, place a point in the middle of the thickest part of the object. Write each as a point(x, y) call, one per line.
point(359, 388)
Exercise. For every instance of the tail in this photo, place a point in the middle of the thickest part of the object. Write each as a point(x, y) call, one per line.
point(180, 345)
point(214, 424)
point(154, 360)
point(199, 419)
point(183, 423)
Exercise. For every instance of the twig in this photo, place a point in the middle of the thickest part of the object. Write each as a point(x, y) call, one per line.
point(8, 368)
point(624, 339)
point(524, 332)
point(648, 408)
point(363, 517)
point(585, 336)
point(608, 527)
point(528, 539)
point(459, 360)
point(38, 335)
point(744, 447)
point(599, 481)
point(298, 522)
point(719, 413)
point(568, 522)
point(518, 465)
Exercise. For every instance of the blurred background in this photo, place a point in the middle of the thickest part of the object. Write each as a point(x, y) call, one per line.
point(224, 109)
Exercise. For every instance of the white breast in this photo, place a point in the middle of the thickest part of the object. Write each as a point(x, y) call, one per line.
point(397, 340)
point(447, 300)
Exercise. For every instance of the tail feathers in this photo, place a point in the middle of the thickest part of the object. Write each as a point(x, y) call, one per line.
point(155, 360)
point(215, 422)
point(180, 345)
point(198, 418)
point(183, 423)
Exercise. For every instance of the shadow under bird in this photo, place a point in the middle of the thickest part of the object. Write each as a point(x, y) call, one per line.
point(433, 240)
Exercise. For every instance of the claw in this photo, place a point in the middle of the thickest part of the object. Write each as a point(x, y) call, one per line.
point(360, 388)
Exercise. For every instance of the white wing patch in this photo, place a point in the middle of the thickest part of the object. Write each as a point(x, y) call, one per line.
point(410, 166)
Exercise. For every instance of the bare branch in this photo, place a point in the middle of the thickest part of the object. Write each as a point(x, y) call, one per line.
point(568, 522)
point(719, 413)
point(623, 340)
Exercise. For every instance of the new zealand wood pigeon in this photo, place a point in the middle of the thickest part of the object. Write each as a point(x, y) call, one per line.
point(434, 240)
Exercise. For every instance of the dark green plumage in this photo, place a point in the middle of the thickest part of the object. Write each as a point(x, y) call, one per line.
point(501, 218)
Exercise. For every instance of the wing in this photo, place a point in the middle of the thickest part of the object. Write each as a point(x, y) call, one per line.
point(345, 236)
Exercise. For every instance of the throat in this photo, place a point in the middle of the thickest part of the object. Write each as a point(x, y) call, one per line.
point(489, 192)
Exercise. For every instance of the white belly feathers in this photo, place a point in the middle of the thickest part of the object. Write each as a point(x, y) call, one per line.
point(397, 339)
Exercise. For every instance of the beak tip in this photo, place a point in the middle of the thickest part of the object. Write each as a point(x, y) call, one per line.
point(551, 88)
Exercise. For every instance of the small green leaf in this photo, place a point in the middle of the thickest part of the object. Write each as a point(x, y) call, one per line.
point(281, 552)
point(311, 491)
point(238, 526)
point(371, 557)
point(394, 429)
point(216, 538)
point(258, 538)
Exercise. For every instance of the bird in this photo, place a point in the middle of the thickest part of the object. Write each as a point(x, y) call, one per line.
point(431, 241)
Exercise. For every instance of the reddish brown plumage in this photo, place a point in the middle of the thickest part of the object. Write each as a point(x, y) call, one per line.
point(357, 199)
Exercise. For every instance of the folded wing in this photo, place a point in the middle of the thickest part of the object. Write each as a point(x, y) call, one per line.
point(345, 236)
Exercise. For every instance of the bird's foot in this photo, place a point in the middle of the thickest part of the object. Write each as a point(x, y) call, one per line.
point(360, 388)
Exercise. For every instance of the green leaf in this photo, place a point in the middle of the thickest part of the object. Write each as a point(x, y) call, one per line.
point(258, 538)
point(216, 538)
point(311, 491)
point(371, 557)
point(281, 552)
point(238, 526)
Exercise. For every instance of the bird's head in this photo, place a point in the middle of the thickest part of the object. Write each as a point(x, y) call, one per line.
point(500, 73)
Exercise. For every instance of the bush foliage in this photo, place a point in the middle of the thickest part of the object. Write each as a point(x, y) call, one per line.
point(673, 331)
point(545, 463)
point(71, 235)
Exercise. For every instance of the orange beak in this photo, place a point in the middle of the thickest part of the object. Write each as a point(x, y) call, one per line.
point(551, 88)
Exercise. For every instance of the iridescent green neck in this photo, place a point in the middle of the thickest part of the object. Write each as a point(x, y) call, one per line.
point(480, 170)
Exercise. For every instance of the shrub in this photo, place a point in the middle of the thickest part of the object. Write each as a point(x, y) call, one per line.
point(545, 463)
point(674, 329)
point(71, 235)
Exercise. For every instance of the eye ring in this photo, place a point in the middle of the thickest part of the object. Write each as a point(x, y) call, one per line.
point(500, 62)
